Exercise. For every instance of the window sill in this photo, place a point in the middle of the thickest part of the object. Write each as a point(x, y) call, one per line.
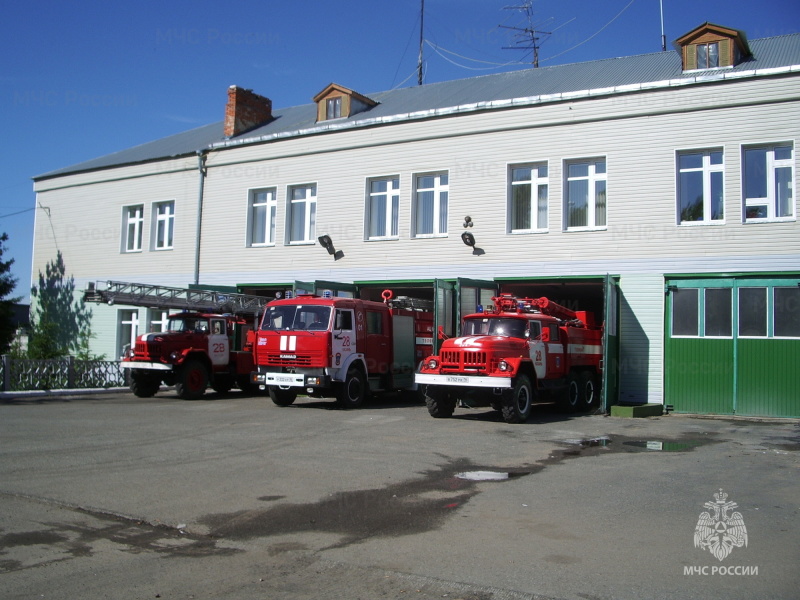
point(429, 236)
point(163, 249)
point(302, 243)
point(393, 238)
point(701, 223)
point(528, 231)
point(272, 245)
point(774, 220)
point(132, 251)
point(580, 229)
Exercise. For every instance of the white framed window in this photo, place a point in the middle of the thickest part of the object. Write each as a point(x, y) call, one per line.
point(158, 320)
point(430, 204)
point(132, 226)
point(301, 224)
point(585, 194)
point(261, 216)
point(163, 225)
point(127, 330)
point(383, 206)
point(527, 198)
point(768, 182)
point(701, 185)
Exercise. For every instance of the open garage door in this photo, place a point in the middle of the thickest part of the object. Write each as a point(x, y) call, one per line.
point(598, 295)
point(444, 321)
point(611, 343)
point(470, 294)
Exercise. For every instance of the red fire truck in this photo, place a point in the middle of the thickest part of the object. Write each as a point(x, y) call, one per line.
point(341, 347)
point(513, 354)
point(210, 344)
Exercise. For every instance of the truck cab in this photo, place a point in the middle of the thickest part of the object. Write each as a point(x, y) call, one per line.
point(333, 346)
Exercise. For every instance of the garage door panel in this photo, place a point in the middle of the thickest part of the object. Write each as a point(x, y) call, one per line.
point(767, 377)
point(699, 375)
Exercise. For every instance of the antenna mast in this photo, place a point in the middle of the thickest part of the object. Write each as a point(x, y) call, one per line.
point(663, 37)
point(421, 40)
point(528, 34)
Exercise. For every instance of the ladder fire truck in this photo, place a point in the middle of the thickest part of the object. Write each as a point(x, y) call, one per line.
point(209, 343)
point(513, 354)
point(341, 347)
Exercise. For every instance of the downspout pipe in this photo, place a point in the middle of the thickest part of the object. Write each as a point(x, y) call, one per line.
point(201, 169)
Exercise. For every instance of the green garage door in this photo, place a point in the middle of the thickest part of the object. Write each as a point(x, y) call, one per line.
point(733, 345)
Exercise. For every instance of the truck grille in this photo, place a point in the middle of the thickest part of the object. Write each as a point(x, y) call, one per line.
point(467, 361)
point(280, 360)
point(147, 350)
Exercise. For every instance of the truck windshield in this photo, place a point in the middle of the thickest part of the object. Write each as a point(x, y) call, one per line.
point(199, 325)
point(300, 317)
point(495, 326)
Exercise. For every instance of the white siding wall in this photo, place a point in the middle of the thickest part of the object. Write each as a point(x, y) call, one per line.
point(641, 373)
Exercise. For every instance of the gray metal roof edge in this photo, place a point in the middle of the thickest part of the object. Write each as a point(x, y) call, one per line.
point(702, 77)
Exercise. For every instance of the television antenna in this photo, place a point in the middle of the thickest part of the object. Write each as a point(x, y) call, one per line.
point(527, 37)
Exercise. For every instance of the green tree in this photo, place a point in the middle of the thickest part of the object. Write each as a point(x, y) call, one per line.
point(60, 322)
point(7, 284)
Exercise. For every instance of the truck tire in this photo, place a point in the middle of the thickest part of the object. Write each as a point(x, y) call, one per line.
point(440, 403)
point(573, 397)
point(353, 391)
point(590, 389)
point(192, 380)
point(282, 396)
point(144, 385)
point(517, 405)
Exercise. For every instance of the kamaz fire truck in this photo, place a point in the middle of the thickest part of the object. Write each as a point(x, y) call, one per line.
point(511, 355)
point(209, 344)
point(341, 347)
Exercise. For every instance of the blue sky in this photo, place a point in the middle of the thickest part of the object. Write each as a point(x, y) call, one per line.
point(80, 80)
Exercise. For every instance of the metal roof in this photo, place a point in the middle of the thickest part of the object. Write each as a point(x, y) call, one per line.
point(523, 87)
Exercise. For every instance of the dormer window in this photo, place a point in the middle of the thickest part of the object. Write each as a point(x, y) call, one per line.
point(338, 102)
point(712, 47)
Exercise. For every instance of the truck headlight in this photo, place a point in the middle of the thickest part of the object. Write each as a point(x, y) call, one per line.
point(432, 363)
point(503, 365)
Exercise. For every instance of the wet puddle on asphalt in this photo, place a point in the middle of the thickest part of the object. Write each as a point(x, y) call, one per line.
point(412, 506)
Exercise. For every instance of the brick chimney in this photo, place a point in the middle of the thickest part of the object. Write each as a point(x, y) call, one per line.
point(245, 110)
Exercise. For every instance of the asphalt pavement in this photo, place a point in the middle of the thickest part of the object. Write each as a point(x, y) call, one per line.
point(110, 496)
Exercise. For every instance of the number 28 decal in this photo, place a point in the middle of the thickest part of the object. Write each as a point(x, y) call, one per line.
point(217, 348)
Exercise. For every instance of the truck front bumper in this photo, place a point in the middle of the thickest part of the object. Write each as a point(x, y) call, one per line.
point(304, 380)
point(152, 366)
point(463, 380)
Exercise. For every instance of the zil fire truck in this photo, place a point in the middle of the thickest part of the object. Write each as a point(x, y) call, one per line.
point(511, 355)
point(341, 347)
point(209, 344)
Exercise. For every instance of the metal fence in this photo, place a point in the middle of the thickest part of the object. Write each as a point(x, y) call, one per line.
point(59, 374)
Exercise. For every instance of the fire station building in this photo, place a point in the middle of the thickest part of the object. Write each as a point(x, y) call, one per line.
point(656, 191)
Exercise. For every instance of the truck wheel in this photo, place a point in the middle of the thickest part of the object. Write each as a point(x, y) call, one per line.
point(573, 400)
point(517, 405)
point(353, 392)
point(440, 403)
point(282, 396)
point(591, 391)
point(144, 385)
point(192, 380)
